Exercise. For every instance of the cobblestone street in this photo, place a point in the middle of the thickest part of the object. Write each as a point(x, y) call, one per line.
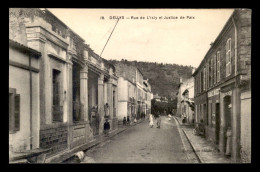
point(141, 144)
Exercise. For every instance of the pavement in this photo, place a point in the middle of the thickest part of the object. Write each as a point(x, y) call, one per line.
point(99, 139)
point(141, 144)
point(205, 151)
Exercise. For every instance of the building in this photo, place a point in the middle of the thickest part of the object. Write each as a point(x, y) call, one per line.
point(185, 104)
point(24, 98)
point(148, 96)
point(223, 87)
point(134, 93)
point(74, 83)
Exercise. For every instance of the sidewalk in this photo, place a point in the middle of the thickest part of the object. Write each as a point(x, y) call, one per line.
point(205, 151)
point(96, 141)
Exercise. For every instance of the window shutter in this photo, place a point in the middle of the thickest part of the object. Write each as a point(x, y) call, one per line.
point(17, 112)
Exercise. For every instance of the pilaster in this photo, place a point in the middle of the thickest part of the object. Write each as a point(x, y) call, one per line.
point(101, 101)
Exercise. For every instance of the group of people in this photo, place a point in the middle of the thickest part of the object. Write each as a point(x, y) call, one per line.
point(158, 121)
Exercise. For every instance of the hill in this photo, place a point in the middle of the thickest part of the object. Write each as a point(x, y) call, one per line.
point(164, 78)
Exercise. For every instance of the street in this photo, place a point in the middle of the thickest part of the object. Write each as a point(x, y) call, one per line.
point(141, 144)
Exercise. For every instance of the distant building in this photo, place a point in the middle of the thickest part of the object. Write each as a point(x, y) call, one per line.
point(134, 96)
point(223, 87)
point(185, 104)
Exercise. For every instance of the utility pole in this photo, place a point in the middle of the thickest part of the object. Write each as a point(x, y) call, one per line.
point(109, 37)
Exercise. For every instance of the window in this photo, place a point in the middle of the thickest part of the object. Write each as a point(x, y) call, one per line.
point(204, 78)
point(212, 72)
point(57, 110)
point(218, 66)
point(14, 111)
point(215, 69)
point(207, 72)
point(210, 77)
point(228, 57)
point(201, 81)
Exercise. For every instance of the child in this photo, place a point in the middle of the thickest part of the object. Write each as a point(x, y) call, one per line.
point(106, 127)
point(124, 121)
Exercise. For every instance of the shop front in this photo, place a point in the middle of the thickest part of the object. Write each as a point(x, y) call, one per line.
point(213, 127)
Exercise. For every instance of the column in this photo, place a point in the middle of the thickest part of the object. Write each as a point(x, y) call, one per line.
point(110, 97)
point(236, 122)
point(84, 93)
point(101, 102)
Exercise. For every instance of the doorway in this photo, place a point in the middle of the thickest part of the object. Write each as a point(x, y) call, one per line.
point(217, 129)
point(227, 116)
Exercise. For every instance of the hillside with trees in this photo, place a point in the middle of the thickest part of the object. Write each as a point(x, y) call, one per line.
point(164, 78)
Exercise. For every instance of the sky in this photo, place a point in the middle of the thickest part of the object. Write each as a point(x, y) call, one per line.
point(174, 40)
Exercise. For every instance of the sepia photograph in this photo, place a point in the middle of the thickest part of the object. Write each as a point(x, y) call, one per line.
point(130, 85)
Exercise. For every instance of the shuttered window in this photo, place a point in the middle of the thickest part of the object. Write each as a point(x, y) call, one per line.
point(215, 70)
point(14, 111)
point(218, 66)
point(228, 57)
point(17, 112)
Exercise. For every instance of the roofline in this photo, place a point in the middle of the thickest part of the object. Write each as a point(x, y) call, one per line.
point(63, 23)
point(24, 47)
point(218, 37)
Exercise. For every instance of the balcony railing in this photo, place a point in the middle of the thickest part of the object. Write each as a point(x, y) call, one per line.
point(57, 113)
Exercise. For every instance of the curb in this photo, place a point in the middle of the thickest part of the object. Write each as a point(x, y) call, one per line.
point(193, 148)
point(198, 157)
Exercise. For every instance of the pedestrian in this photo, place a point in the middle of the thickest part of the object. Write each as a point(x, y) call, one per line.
point(169, 117)
point(151, 121)
point(228, 145)
point(124, 121)
point(158, 121)
point(128, 120)
point(106, 128)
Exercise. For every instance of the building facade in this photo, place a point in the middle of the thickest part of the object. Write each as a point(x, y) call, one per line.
point(185, 104)
point(24, 97)
point(77, 87)
point(223, 87)
point(134, 96)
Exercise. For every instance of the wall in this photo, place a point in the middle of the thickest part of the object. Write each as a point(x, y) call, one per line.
point(246, 126)
point(20, 80)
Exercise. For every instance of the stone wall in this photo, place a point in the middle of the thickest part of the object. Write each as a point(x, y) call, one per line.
point(54, 137)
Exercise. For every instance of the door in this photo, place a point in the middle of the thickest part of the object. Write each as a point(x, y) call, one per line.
point(227, 116)
point(217, 129)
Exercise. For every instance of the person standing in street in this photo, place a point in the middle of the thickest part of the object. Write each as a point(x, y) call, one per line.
point(228, 145)
point(158, 121)
point(128, 120)
point(151, 121)
point(106, 128)
point(124, 121)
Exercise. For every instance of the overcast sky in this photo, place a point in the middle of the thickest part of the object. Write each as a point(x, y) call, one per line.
point(180, 41)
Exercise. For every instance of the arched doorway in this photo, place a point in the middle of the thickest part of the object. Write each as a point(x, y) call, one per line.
point(227, 116)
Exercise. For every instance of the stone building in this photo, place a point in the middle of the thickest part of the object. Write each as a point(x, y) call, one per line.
point(134, 92)
point(73, 81)
point(223, 87)
point(185, 104)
